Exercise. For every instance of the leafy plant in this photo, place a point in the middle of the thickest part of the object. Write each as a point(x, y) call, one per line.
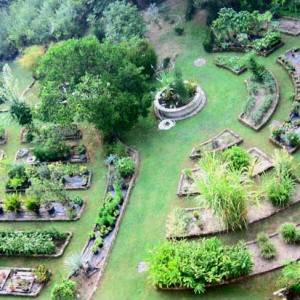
point(290, 277)
point(32, 204)
point(237, 158)
point(42, 274)
point(290, 233)
point(66, 290)
point(12, 203)
point(125, 166)
point(267, 249)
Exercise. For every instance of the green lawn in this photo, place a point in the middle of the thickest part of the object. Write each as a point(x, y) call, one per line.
point(164, 154)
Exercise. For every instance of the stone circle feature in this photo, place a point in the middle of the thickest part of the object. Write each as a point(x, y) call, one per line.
point(166, 124)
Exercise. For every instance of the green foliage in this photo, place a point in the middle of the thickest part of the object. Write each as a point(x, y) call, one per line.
point(293, 139)
point(290, 233)
point(66, 290)
point(12, 203)
point(31, 56)
point(125, 166)
point(267, 249)
point(284, 164)
point(117, 148)
point(21, 112)
point(290, 277)
point(237, 158)
point(32, 204)
point(17, 178)
point(195, 265)
point(122, 22)
point(42, 274)
point(190, 10)
point(270, 39)
point(257, 70)
point(209, 40)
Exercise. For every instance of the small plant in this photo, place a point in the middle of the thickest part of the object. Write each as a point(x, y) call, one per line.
point(77, 200)
point(12, 203)
point(238, 158)
point(290, 277)
point(42, 274)
point(32, 204)
point(125, 166)
point(293, 139)
point(290, 233)
point(117, 149)
point(179, 30)
point(267, 249)
point(66, 290)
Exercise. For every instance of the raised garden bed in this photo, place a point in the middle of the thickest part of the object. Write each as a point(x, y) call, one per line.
point(77, 181)
point(222, 141)
point(56, 211)
point(19, 282)
point(187, 185)
point(290, 26)
point(262, 103)
point(208, 224)
point(28, 240)
point(235, 64)
point(94, 256)
point(262, 163)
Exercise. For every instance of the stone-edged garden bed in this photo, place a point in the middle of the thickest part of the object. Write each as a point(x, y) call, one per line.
point(57, 211)
point(77, 181)
point(222, 141)
point(284, 253)
point(187, 185)
point(290, 26)
point(262, 103)
point(95, 254)
point(194, 106)
point(60, 246)
point(202, 222)
point(263, 162)
point(234, 64)
point(19, 282)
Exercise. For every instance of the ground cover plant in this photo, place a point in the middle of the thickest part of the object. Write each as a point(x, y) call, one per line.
point(171, 264)
point(236, 64)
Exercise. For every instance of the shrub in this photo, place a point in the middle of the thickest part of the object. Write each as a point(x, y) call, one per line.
point(194, 265)
point(290, 233)
point(208, 43)
point(12, 203)
point(179, 30)
point(117, 148)
point(190, 10)
point(21, 112)
point(42, 274)
point(290, 277)
point(31, 56)
point(66, 290)
point(32, 204)
point(293, 139)
point(257, 70)
point(237, 157)
point(267, 249)
point(280, 191)
point(284, 164)
point(125, 166)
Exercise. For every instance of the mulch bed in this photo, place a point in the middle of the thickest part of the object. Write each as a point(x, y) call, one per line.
point(19, 282)
point(248, 121)
point(78, 182)
point(222, 141)
point(263, 162)
point(60, 213)
point(211, 225)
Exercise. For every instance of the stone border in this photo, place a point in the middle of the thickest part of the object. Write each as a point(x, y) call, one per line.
point(257, 214)
point(285, 31)
point(97, 274)
point(238, 72)
point(194, 154)
point(32, 217)
point(270, 112)
point(183, 112)
point(60, 250)
point(265, 157)
point(38, 286)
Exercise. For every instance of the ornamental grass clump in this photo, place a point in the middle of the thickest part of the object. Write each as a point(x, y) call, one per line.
point(196, 265)
point(290, 234)
point(290, 277)
point(226, 191)
point(267, 249)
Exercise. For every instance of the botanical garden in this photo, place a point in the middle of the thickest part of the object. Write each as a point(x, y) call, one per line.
point(150, 149)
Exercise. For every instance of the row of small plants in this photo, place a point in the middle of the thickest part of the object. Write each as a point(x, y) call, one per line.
point(236, 64)
point(30, 243)
point(196, 265)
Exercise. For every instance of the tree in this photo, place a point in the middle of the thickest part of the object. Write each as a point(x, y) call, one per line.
point(122, 22)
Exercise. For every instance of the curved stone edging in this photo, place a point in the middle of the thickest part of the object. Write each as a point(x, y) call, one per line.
point(183, 112)
point(238, 72)
point(270, 112)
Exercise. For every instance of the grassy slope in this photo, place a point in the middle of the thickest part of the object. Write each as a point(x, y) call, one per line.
point(164, 154)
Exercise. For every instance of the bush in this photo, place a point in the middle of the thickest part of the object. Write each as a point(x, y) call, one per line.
point(12, 203)
point(290, 233)
point(32, 204)
point(257, 70)
point(238, 158)
point(42, 274)
point(66, 290)
point(117, 148)
point(21, 112)
point(290, 277)
point(195, 265)
point(31, 56)
point(267, 249)
point(125, 166)
point(293, 139)
point(190, 10)
point(179, 30)
point(209, 40)
point(280, 191)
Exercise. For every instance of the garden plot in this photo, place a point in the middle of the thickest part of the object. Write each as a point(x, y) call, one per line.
point(262, 162)
point(224, 140)
point(236, 64)
point(183, 224)
point(77, 181)
point(289, 26)
point(262, 102)
point(53, 211)
point(19, 282)
point(187, 185)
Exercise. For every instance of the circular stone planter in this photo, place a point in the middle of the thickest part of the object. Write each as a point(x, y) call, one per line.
point(166, 124)
point(183, 112)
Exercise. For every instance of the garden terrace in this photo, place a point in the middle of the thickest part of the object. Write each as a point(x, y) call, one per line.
point(42, 244)
point(236, 64)
point(222, 141)
point(289, 26)
point(19, 282)
point(96, 251)
point(290, 60)
point(187, 185)
point(53, 211)
point(262, 102)
point(182, 222)
point(263, 162)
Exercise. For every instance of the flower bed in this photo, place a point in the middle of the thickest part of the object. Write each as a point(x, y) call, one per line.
point(224, 140)
point(208, 224)
point(262, 163)
point(45, 243)
point(262, 103)
point(20, 282)
point(235, 64)
point(289, 26)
